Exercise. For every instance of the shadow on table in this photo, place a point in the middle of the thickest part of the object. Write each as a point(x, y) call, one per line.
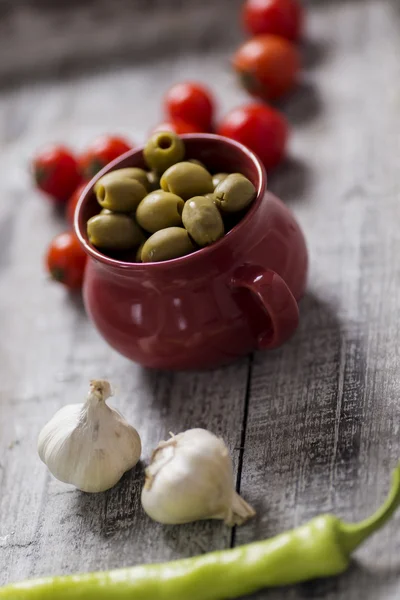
point(314, 52)
point(304, 104)
point(371, 584)
point(306, 416)
point(74, 299)
point(319, 352)
point(291, 181)
point(313, 389)
point(358, 582)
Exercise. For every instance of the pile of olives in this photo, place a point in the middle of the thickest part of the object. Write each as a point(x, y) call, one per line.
point(172, 210)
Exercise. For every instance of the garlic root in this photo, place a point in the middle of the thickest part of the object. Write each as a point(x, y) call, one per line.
point(241, 511)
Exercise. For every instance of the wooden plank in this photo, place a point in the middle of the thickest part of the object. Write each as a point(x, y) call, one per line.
point(42, 38)
point(323, 424)
point(52, 352)
point(49, 350)
point(322, 429)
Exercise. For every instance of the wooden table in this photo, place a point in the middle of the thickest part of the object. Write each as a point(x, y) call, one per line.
point(313, 427)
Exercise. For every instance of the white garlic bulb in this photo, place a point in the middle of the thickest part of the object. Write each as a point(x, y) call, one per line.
point(190, 478)
point(89, 445)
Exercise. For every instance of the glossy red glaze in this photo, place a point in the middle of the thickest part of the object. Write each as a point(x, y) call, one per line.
point(210, 307)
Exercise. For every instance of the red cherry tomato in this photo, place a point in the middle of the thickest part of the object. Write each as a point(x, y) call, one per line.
point(279, 17)
point(261, 128)
point(55, 170)
point(73, 201)
point(268, 66)
point(66, 260)
point(101, 151)
point(178, 126)
point(191, 102)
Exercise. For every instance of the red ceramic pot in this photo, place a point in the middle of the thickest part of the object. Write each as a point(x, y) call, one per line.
point(208, 308)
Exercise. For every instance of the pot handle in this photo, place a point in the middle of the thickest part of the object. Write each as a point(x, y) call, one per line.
point(275, 298)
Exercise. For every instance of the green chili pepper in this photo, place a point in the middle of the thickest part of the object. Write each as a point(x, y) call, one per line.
point(319, 548)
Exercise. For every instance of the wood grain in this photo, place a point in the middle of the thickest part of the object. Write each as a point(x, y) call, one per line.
point(323, 420)
point(49, 351)
point(41, 38)
point(314, 426)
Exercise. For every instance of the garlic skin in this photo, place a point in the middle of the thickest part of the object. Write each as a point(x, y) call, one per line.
point(89, 445)
point(190, 478)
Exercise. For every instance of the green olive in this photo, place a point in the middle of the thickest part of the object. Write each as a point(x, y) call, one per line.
point(153, 181)
point(119, 193)
point(159, 210)
point(114, 232)
point(139, 252)
point(218, 178)
point(234, 193)
point(187, 180)
point(131, 173)
point(210, 197)
point(167, 244)
point(202, 220)
point(163, 149)
point(105, 211)
point(197, 162)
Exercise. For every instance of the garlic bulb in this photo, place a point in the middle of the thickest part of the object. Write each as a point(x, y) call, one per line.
point(89, 445)
point(190, 478)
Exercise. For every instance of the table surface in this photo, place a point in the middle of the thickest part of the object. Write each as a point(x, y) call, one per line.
point(314, 426)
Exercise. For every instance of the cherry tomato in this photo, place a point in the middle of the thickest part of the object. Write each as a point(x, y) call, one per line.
point(261, 128)
point(178, 126)
point(191, 102)
point(66, 260)
point(100, 152)
point(55, 170)
point(73, 201)
point(268, 66)
point(279, 17)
